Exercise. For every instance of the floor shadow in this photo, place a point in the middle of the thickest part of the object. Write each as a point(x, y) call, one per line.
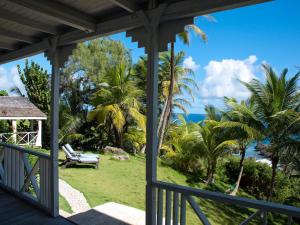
point(93, 217)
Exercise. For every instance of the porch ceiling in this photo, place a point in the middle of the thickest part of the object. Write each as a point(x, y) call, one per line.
point(27, 25)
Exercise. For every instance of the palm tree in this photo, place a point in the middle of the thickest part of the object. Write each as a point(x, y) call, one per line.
point(183, 81)
point(243, 125)
point(290, 137)
point(214, 144)
point(181, 144)
point(116, 102)
point(271, 98)
point(167, 109)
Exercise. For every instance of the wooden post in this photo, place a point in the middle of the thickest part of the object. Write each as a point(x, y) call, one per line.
point(55, 79)
point(14, 129)
point(39, 134)
point(151, 136)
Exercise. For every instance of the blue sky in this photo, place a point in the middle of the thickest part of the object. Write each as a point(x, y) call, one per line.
point(238, 42)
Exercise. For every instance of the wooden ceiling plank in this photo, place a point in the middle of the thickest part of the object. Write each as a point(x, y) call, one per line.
point(21, 20)
point(60, 13)
point(16, 36)
point(128, 5)
point(177, 10)
point(7, 46)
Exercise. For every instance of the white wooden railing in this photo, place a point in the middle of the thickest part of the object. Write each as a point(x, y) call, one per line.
point(172, 201)
point(26, 173)
point(20, 138)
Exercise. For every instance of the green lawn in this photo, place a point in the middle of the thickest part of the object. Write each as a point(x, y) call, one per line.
point(63, 204)
point(124, 182)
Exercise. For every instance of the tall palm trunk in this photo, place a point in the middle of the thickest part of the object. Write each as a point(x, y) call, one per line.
point(118, 138)
point(237, 185)
point(211, 169)
point(169, 101)
point(275, 161)
point(161, 125)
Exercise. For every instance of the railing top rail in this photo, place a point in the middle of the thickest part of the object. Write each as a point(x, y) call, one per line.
point(29, 151)
point(30, 132)
point(223, 198)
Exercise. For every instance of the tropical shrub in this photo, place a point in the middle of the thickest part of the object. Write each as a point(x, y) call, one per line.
point(257, 176)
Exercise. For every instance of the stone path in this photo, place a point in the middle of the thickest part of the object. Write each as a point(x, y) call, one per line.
point(75, 198)
point(110, 213)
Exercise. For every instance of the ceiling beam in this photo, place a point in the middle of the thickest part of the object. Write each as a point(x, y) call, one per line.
point(59, 12)
point(21, 20)
point(7, 46)
point(177, 10)
point(128, 5)
point(16, 36)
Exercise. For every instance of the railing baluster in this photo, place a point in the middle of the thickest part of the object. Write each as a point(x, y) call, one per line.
point(183, 210)
point(31, 176)
point(257, 213)
point(168, 208)
point(160, 206)
point(175, 208)
point(265, 218)
point(14, 165)
point(198, 211)
point(290, 220)
point(1, 165)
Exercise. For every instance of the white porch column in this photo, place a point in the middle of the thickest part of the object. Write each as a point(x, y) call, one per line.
point(152, 113)
point(57, 56)
point(54, 133)
point(14, 130)
point(39, 134)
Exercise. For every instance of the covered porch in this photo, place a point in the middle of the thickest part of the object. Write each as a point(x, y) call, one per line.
point(54, 27)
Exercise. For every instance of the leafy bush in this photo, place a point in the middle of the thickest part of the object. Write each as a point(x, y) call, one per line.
point(257, 177)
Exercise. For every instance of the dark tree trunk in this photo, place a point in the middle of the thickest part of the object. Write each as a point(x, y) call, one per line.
point(275, 161)
point(119, 138)
point(211, 169)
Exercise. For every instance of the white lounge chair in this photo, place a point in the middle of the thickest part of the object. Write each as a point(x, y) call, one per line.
point(74, 153)
point(73, 160)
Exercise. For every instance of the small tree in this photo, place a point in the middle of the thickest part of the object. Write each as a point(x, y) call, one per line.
point(36, 82)
point(244, 126)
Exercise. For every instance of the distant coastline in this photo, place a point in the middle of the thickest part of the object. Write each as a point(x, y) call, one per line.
point(192, 117)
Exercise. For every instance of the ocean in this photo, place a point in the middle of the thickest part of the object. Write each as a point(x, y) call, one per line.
point(195, 118)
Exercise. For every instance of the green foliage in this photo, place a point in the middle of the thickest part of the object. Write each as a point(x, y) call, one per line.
point(36, 82)
point(271, 100)
point(257, 176)
point(92, 59)
point(3, 93)
point(181, 147)
point(90, 69)
point(116, 102)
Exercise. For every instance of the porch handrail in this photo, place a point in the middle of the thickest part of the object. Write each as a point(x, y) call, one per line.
point(187, 195)
point(29, 132)
point(26, 150)
point(26, 177)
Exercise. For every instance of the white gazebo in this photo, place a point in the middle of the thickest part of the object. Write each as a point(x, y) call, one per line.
point(20, 108)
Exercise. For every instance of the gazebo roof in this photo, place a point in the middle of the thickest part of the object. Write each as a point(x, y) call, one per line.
point(13, 108)
point(26, 26)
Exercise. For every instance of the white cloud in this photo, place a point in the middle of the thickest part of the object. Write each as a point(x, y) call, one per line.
point(189, 63)
point(222, 78)
point(10, 79)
